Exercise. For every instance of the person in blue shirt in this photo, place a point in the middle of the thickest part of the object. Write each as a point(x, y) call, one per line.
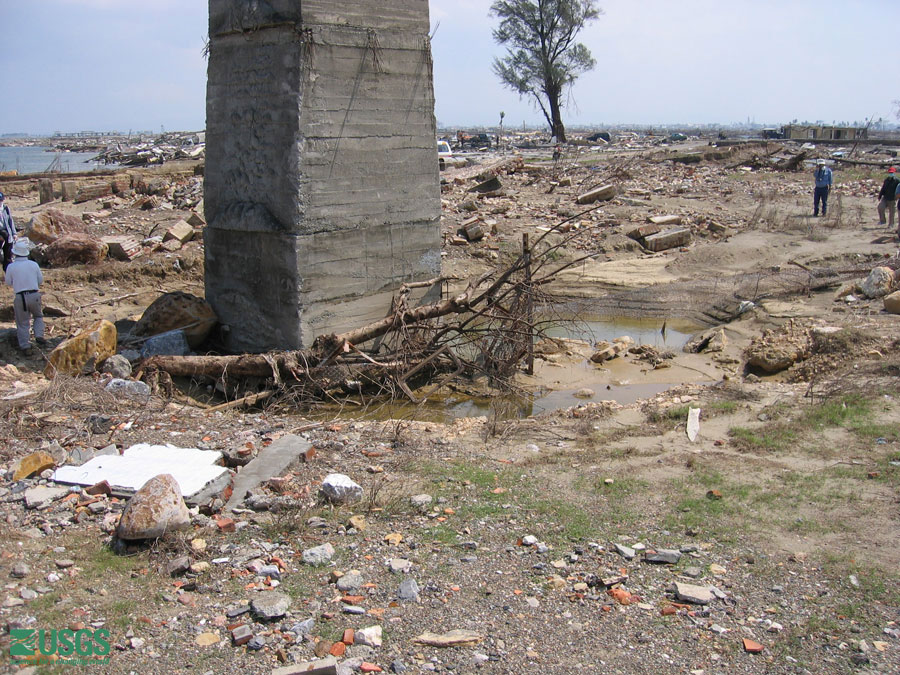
point(823, 185)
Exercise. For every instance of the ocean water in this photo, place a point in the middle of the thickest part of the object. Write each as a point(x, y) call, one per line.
point(37, 159)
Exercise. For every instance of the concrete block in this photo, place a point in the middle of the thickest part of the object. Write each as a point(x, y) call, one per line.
point(668, 239)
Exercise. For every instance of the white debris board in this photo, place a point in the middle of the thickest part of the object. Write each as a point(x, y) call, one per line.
point(693, 424)
point(192, 468)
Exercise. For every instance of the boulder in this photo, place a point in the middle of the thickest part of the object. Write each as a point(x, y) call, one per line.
point(81, 353)
point(878, 283)
point(172, 311)
point(74, 249)
point(51, 224)
point(318, 555)
point(155, 509)
point(892, 302)
point(696, 595)
point(340, 489)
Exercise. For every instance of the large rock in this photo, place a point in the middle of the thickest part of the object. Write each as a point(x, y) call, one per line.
point(81, 353)
point(74, 249)
point(172, 311)
point(340, 489)
point(697, 595)
point(49, 225)
point(318, 555)
point(155, 509)
point(879, 282)
point(776, 350)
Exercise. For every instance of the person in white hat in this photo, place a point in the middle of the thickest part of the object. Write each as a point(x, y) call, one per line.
point(824, 180)
point(25, 277)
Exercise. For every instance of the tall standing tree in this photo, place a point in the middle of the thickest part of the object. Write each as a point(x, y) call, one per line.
point(542, 57)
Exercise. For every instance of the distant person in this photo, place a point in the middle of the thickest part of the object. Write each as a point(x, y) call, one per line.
point(25, 277)
point(7, 231)
point(823, 185)
point(887, 198)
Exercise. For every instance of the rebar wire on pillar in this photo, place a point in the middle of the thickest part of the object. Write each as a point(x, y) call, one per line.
point(529, 309)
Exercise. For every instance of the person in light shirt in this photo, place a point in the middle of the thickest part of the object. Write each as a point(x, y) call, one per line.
point(25, 277)
point(7, 231)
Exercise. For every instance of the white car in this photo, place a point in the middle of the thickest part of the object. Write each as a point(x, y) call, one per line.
point(444, 151)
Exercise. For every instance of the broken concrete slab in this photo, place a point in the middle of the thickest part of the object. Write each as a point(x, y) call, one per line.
point(270, 462)
point(639, 233)
point(668, 239)
point(195, 471)
point(666, 220)
point(602, 193)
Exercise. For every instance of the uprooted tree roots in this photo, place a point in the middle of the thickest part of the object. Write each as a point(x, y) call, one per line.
point(486, 329)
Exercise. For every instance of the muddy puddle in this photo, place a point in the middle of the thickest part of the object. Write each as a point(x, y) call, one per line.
point(554, 385)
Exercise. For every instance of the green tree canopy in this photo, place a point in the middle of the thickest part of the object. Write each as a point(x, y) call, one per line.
point(542, 57)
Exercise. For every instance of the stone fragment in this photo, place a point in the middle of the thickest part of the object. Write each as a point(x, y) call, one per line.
point(117, 366)
point(179, 565)
point(318, 555)
point(206, 639)
point(31, 464)
point(752, 647)
point(256, 643)
point(241, 635)
point(75, 249)
point(173, 343)
point(697, 595)
point(42, 496)
point(421, 501)
point(81, 353)
point(584, 392)
point(453, 638)
point(409, 590)
point(399, 565)
point(20, 570)
point(892, 302)
point(602, 193)
point(370, 636)
point(154, 510)
point(357, 523)
point(879, 282)
point(662, 556)
point(181, 231)
point(178, 310)
point(350, 581)
point(625, 551)
point(128, 388)
point(340, 489)
point(717, 570)
point(270, 605)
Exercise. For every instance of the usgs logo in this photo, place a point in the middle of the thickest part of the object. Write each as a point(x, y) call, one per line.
point(61, 646)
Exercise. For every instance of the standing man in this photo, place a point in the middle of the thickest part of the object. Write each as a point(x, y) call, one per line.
point(7, 231)
point(887, 197)
point(823, 185)
point(25, 277)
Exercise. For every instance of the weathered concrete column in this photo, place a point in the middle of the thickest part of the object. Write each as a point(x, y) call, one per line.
point(322, 193)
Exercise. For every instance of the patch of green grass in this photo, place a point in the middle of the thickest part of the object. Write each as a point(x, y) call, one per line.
point(440, 533)
point(564, 521)
point(772, 438)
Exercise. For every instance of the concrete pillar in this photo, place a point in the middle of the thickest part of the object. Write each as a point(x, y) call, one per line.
point(321, 183)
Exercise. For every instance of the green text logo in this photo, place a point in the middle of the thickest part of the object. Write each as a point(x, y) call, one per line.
point(61, 646)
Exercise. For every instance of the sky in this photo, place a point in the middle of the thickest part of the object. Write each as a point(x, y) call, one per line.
point(71, 65)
